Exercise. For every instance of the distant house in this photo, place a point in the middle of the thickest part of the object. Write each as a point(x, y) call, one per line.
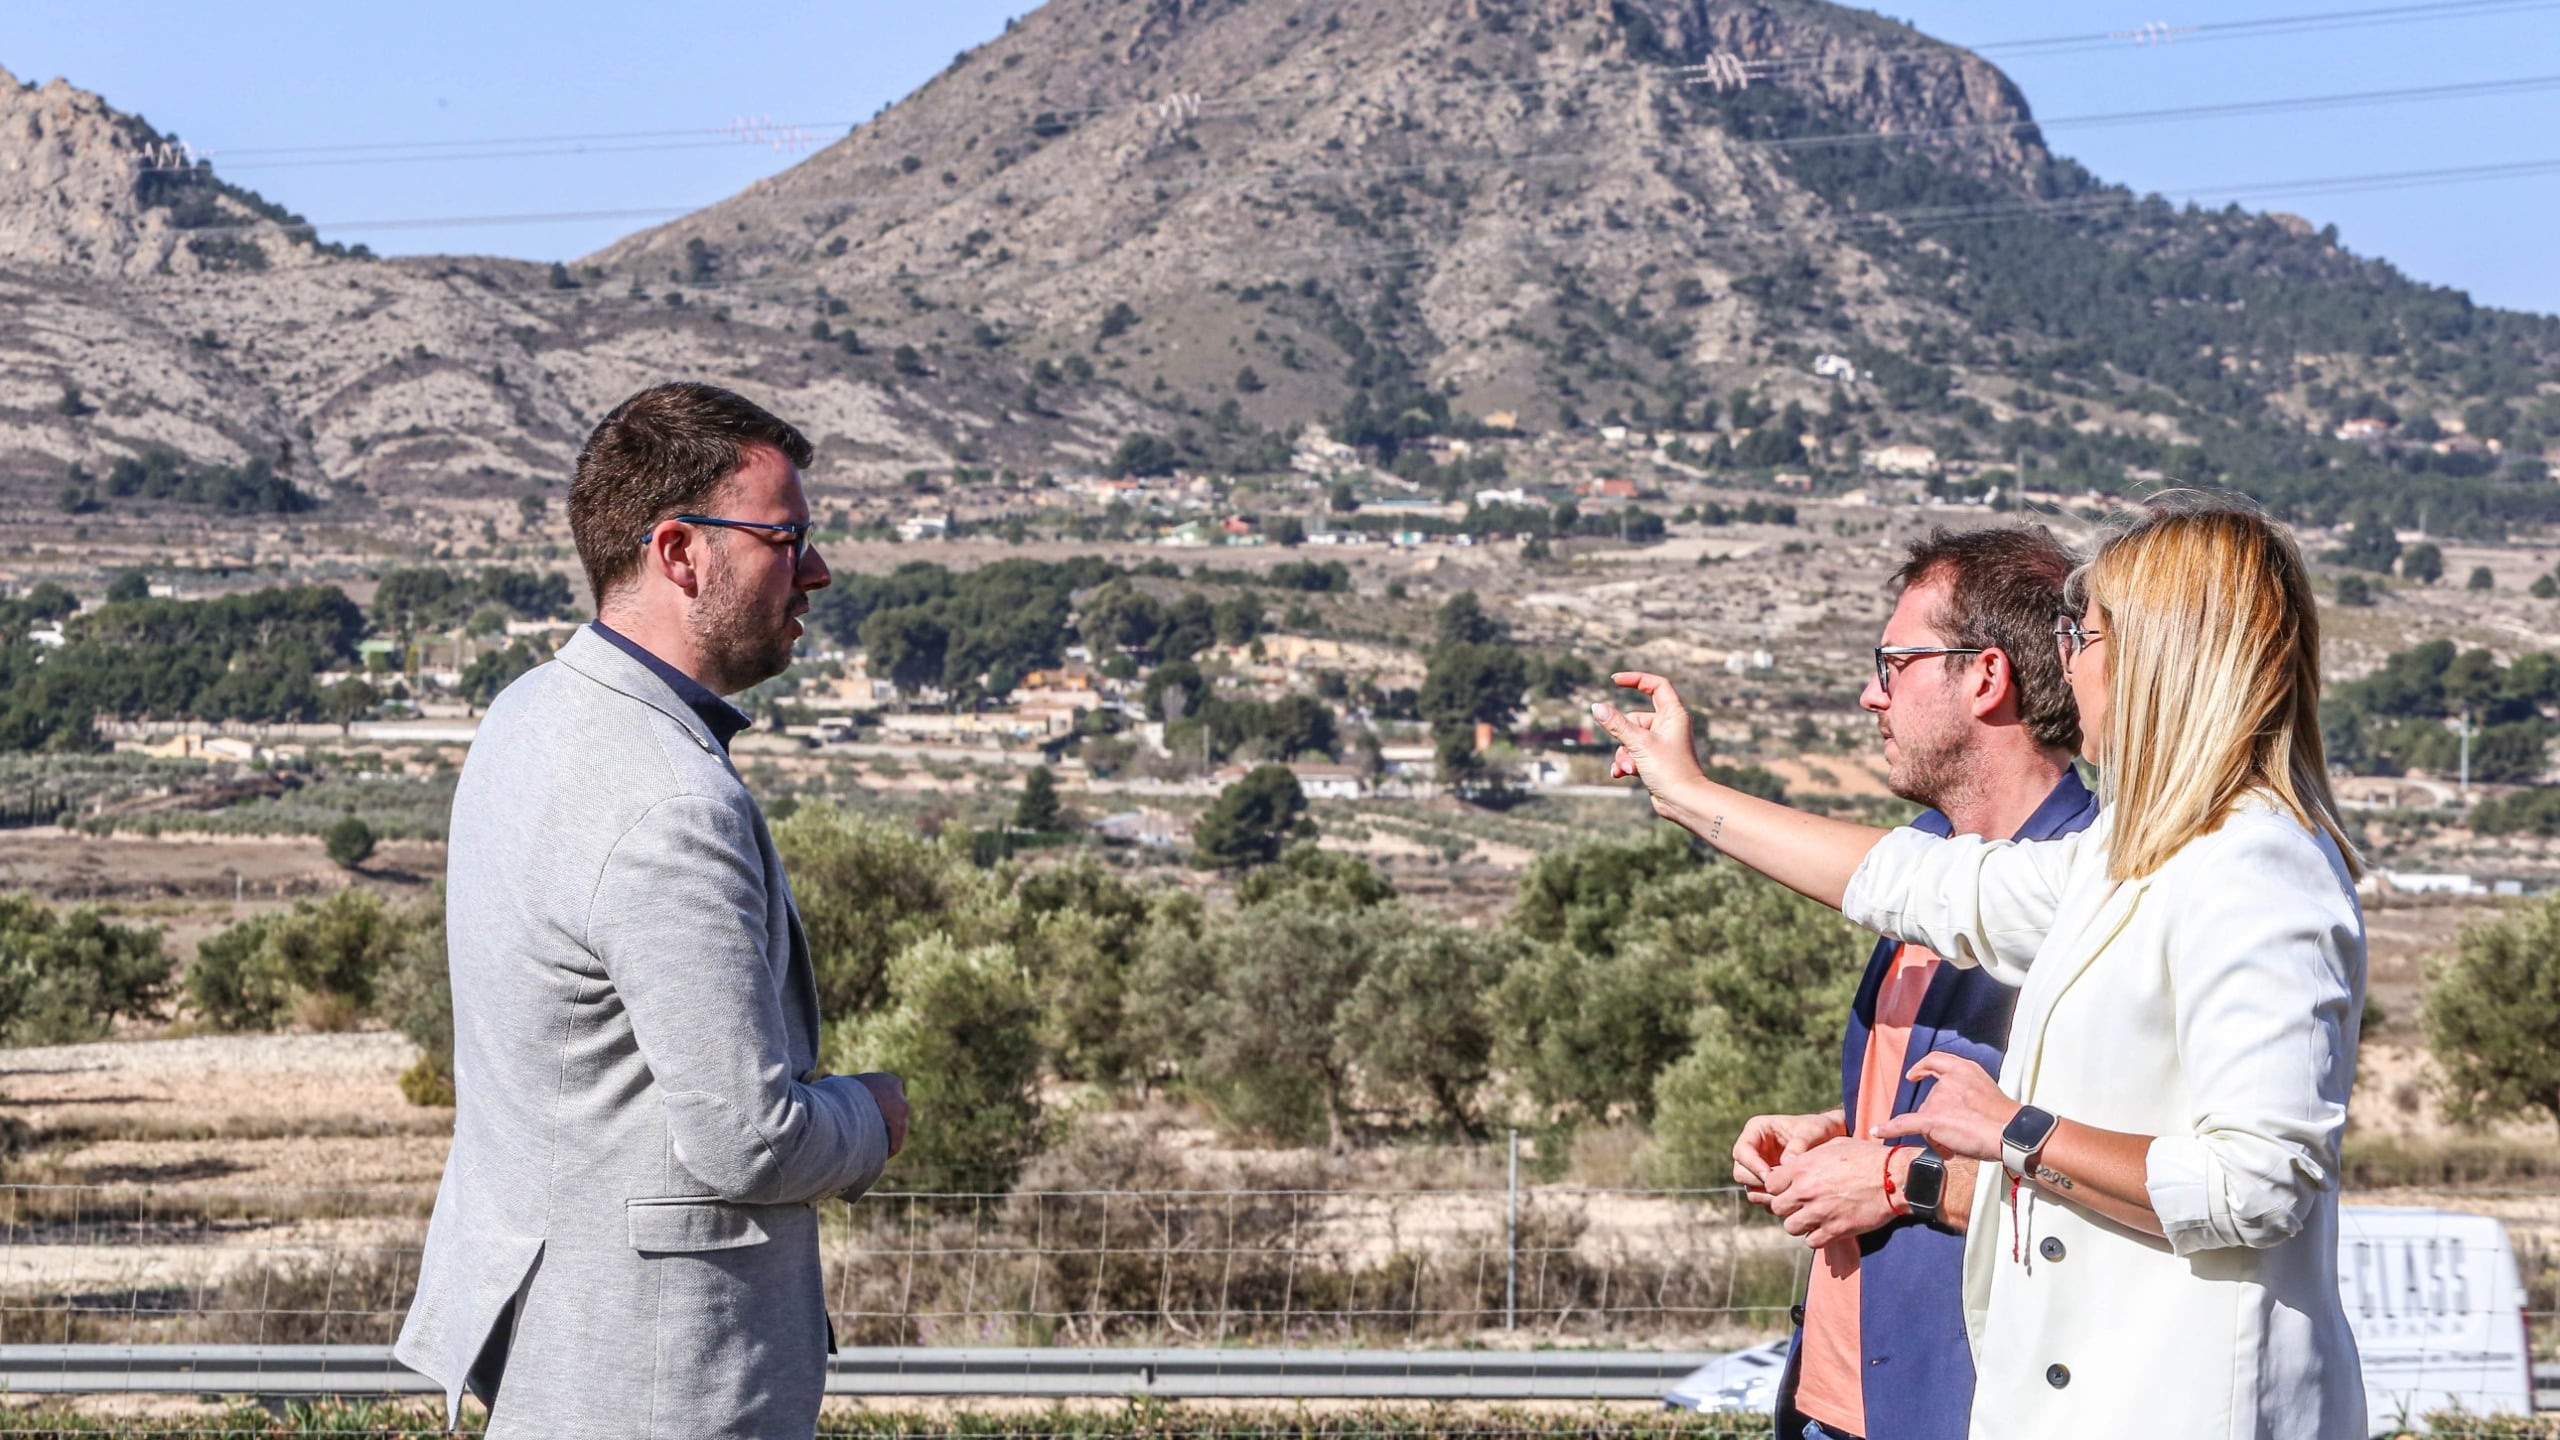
point(47, 635)
point(1613, 434)
point(2364, 430)
point(1328, 782)
point(1901, 460)
point(1191, 532)
point(1513, 496)
point(1834, 367)
point(924, 527)
point(1240, 525)
point(1608, 487)
point(1502, 420)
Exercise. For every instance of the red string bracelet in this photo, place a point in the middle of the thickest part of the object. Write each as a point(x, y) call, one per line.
point(1889, 1201)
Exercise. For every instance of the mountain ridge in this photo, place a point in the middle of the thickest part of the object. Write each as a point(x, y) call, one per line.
point(1219, 220)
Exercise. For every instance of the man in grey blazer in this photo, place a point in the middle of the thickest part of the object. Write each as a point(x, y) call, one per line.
point(625, 1243)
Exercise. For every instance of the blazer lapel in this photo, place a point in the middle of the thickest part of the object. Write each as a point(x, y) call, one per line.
point(2094, 926)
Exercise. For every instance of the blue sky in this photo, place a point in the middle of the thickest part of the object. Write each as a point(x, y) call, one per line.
point(235, 79)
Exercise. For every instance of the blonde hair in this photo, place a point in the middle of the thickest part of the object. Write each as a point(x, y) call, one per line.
point(2213, 673)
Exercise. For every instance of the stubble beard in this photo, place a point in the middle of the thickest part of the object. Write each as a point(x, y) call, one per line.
point(1929, 774)
point(740, 645)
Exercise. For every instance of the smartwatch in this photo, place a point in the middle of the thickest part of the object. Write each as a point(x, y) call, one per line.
point(2026, 1133)
point(1925, 1188)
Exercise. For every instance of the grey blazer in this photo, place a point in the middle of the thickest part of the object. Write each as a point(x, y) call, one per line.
point(625, 1242)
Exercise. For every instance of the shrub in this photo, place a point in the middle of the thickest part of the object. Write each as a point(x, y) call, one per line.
point(319, 960)
point(1252, 819)
point(67, 978)
point(962, 1028)
point(868, 889)
point(2488, 1017)
point(349, 843)
point(417, 998)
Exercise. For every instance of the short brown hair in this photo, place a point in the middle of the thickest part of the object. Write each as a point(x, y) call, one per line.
point(662, 453)
point(2005, 586)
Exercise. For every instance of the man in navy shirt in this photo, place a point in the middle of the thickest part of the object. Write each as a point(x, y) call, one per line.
point(1978, 724)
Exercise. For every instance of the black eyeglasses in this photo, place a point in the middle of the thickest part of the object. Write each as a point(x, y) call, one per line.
point(796, 532)
point(1889, 658)
point(2070, 639)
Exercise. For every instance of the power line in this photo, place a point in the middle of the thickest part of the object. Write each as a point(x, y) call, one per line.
point(745, 131)
point(1251, 176)
point(1394, 255)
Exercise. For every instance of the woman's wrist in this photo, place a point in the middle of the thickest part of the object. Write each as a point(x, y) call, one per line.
point(1691, 805)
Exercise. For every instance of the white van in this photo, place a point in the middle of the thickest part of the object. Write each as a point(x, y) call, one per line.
point(2433, 1297)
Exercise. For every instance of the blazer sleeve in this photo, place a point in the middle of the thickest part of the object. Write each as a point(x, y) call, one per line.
point(679, 920)
point(1977, 902)
point(2266, 959)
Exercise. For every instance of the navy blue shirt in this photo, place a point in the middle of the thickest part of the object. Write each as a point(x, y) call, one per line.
point(725, 719)
point(1919, 1365)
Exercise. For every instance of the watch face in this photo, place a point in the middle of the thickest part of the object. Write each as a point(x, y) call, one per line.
point(2028, 1128)
point(1926, 1184)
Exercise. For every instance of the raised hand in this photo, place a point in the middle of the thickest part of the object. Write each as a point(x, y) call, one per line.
point(1657, 748)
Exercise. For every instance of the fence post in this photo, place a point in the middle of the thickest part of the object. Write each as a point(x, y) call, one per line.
point(1511, 1270)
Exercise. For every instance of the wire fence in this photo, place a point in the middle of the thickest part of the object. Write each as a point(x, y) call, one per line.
point(1545, 1265)
point(1237, 1271)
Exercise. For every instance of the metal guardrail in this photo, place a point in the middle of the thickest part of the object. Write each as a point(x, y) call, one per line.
point(303, 1371)
point(315, 1370)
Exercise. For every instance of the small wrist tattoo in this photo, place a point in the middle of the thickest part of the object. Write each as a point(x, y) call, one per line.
point(2054, 1179)
point(1715, 829)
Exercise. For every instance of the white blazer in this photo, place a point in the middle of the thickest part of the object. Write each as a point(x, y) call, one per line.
point(2213, 1004)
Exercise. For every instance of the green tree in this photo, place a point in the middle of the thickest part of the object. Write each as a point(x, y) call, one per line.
point(2489, 1015)
point(962, 1027)
point(2480, 579)
point(1079, 933)
point(2354, 591)
point(2370, 544)
point(128, 586)
point(1252, 819)
point(417, 998)
point(908, 646)
point(2422, 564)
point(1038, 809)
point(70, 977)
point(1289, 532)
point(1644, 953)
point(348, 843)
point(322, 958)
point(1418, 1025)
point(1268, 1061)
point(348, 701)
point(868, 889)
point(1143, 456)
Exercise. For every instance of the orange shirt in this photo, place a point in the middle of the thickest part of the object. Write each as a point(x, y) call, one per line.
point(1830, 1368)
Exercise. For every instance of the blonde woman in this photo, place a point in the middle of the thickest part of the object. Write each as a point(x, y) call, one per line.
point(2153, 1248)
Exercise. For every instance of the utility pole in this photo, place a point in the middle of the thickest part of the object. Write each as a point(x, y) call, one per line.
point(2466, 750)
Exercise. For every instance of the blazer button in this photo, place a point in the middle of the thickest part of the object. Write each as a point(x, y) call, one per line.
point(2051, 1247)
point(2057, 1376)
point(1796, 1314)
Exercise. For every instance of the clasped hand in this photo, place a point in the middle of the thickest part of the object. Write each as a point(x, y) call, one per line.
point(1821, 1183)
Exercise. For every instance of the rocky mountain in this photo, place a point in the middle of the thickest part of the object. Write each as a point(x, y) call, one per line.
point(1219, 220)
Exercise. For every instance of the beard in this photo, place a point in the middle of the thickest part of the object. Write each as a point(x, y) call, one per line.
point(1926, 771)
point(741, 640)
